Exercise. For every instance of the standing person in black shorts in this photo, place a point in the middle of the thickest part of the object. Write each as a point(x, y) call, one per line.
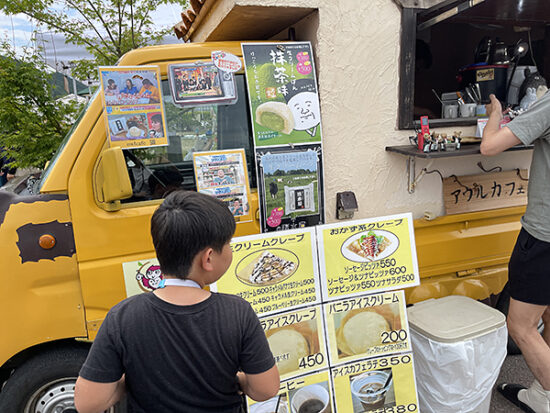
point(529, 267)
point(181, 348)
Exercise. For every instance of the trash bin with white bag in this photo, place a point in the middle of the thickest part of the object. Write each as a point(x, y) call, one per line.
point(459, 345)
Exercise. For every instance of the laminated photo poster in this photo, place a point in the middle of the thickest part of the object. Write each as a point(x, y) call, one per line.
point(286, 123)
point(133, 106)
point(331, 303)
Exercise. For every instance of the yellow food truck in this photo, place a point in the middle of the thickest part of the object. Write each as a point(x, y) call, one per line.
point(64, 242)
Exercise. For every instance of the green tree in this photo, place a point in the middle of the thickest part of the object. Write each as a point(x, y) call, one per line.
point(32, 122)
point(106, 28)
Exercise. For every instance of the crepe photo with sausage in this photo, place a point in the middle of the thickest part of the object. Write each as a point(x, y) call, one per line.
point(369, 246)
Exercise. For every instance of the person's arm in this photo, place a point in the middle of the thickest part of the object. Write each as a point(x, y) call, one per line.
point(495, 139)
point(94, 397)
point(262, 386)
point(259, 377)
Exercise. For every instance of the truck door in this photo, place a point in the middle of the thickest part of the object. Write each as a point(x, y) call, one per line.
point(105, 238)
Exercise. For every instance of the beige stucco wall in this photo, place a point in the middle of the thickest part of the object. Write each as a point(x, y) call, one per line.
point(356, 43)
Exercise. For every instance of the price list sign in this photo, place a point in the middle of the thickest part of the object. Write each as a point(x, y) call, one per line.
point(367, 256)
point(367, 326)
point(308, 393)
point(273, 272)
point(384, 384)
point(297, 341)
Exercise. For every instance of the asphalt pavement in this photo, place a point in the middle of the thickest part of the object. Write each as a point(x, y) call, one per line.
point(514, 370)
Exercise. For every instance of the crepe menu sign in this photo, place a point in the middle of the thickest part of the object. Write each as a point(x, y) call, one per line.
point(367, 256)
point(274, 272)
point(297, 341)
point(330, 302)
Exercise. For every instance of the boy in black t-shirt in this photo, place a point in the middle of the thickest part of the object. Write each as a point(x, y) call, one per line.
point(181, 348)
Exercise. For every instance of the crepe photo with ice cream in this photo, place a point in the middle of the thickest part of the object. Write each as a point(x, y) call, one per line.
point(359, 330)
point(291, 344)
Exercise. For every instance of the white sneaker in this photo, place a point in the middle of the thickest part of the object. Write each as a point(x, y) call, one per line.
point(536, 398)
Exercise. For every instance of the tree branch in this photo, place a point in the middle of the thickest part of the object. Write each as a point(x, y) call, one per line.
point(66, 30)
point(119, 53)
point(72, 4)
point(132, 20)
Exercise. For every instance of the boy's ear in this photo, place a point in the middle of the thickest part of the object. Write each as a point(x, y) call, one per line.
point(206, 259)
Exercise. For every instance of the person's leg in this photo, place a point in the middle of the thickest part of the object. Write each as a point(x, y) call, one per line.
point(523, 320)
point(546, 321)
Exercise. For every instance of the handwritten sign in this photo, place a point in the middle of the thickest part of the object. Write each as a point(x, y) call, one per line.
point(363, 386)
point(367, 326)
point(488, 191)
point(273, 272)
point(367, 256)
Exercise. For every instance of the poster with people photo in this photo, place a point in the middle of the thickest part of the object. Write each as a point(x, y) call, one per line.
point(223, 174)
point(290, 184)
point(282, 91)
point(133, 106)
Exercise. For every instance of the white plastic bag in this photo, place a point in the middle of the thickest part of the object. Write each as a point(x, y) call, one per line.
point(457, 377)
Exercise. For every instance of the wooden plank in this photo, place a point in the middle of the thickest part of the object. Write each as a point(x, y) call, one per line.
point(488, 191)
point(406, 69)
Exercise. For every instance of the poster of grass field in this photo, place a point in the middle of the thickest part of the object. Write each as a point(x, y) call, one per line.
point(290, 185)
point(282, 91)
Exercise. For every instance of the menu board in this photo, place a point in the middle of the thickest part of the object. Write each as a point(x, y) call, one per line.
point(223, 175)
point(330, 302)
point(383, 384)
point(297, 341)
point(367, 326)
point(367, 256)
point(133, 106)
point(309, 393)
point(274, 272)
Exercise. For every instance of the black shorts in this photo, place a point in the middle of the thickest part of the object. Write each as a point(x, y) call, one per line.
point(529, 270)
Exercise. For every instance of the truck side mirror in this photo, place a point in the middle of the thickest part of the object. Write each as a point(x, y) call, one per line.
point(112, 182)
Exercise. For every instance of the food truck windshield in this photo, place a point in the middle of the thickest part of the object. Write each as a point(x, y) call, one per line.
point(190, 129)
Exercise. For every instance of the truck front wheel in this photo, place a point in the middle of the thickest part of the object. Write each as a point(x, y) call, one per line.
point(45, 383)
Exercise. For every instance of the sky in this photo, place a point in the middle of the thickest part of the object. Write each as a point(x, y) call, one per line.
point(17, 29)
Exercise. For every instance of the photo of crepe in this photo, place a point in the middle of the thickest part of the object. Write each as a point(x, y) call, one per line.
point(275, 116)
point(361, 329)
point(268, 268)
point(291, 344)
point(369, 246)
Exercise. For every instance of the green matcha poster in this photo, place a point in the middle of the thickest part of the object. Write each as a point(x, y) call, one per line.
point(282, 91)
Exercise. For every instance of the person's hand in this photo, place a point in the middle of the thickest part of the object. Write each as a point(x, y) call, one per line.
point(495, 107)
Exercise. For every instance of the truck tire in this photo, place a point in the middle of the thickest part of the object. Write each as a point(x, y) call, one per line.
point(45, 383)
point(502, 305)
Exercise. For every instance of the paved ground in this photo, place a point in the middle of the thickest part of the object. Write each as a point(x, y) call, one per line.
point(514, 370)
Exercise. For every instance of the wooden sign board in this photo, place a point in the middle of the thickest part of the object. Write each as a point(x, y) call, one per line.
point(488, 191)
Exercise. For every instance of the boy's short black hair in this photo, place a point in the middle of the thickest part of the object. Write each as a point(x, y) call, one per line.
point(156, 118)
point(186, 223)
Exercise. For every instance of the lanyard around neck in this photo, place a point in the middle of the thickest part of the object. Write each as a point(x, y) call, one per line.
point(178, 282)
